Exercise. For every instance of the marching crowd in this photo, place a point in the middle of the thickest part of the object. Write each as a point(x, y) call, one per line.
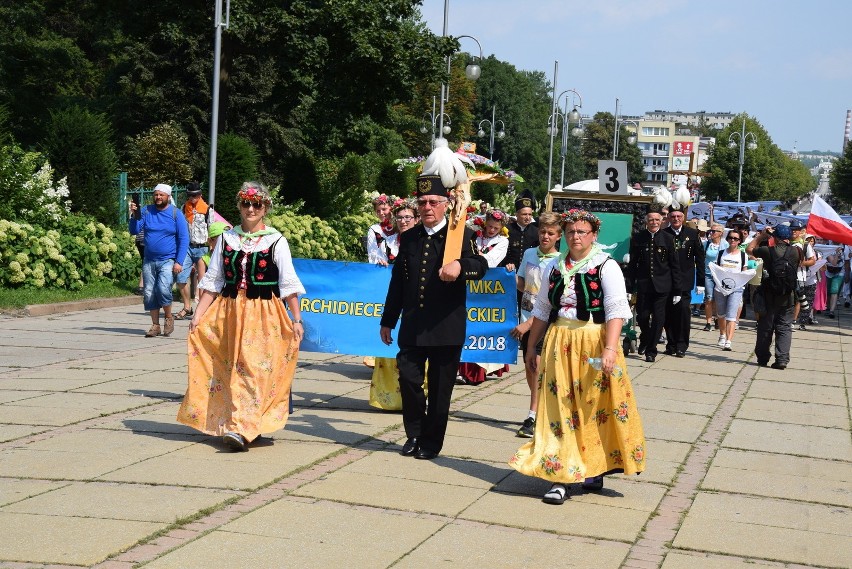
point(574, 300)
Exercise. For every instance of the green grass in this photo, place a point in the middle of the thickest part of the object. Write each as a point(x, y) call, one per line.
point(16, 298)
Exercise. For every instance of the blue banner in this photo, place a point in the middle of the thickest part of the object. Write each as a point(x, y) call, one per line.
point(344, 303)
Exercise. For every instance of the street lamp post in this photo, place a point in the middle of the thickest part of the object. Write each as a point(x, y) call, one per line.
point(472, 71)
point(492, 124)
point(631, 139)
point(742, 139)
point(433, 120)
point(568, 118)
point(219, 24)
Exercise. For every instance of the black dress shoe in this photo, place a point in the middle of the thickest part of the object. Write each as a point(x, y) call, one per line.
point(410, 447)
point(641, 349)
point(680, 354)
point(763, 364)
point(776, 365)
point(670, 351)
point(425, 454)
point(650, 358)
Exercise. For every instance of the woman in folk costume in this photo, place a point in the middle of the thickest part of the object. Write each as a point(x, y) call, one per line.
point(382, 236)
point(243, 345)
point(384, 386)
point(587, 423)
point(493, 243)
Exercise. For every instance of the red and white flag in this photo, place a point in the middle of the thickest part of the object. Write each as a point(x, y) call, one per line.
point(824, 222)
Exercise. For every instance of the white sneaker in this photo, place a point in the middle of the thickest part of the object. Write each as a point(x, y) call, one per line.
point(721, 342)
point(727, 346)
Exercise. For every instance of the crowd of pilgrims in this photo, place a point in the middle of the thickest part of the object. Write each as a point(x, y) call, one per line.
point(583, 422)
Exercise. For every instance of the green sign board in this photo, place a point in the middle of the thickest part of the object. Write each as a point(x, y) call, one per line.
point(615, 233)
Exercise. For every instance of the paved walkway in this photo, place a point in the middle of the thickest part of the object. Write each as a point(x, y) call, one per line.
point(748, 467)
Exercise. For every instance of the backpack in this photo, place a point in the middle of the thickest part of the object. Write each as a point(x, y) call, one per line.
point(782, 271)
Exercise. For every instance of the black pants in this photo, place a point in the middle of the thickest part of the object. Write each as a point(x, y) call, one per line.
point(650, 315)
point(427, 422)
point(678, 319)
point(777, 322)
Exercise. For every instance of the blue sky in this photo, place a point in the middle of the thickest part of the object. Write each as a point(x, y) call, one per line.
point(787, 63)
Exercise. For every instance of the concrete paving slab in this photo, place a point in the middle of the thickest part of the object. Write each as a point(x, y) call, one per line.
point(778, 411)
point(809, 377)
point(14, 490)
point(58, 465)
point(501, 407)
point(10, 396)
point(695, 560)
point(137, 502)
point(355, 401)
point(67, 540)
point(313, 390)
point(12, 432)
point(781, 476)
point(336, 425)
point(466, 546)
point(497, 451)
point(103, 404)
point(444, 470)
point(91, 375)
point(48, 416)
point(619, 513)
point(102, 441)
point(212, 466)
point(672, 426)
point(135, 386)
point(664, 460)
point(819, 394)
point(779, 530)
point(700, 367)
point(143, 361)
point(392, 492)
point(686, 382)
point(15, 357)
point(662, 399)
point(802, 440)
point(46, 384)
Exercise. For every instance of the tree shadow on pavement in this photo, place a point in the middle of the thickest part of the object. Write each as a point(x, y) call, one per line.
point(127, 331)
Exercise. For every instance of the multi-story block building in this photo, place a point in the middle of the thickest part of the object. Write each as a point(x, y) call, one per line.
point(697, 118)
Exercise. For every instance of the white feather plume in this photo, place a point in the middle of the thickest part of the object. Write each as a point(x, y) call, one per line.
point(662, 196)
point(682, 195)
point(449, 165)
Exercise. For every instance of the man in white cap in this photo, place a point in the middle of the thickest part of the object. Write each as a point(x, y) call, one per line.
point(166, 244)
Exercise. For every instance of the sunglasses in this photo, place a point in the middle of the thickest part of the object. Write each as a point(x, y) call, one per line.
point(732, 238)
point(431, 203)
point(256, 205)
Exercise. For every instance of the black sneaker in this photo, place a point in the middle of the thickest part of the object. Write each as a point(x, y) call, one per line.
point(831, 314)
point(706, 327)
point(527, 430)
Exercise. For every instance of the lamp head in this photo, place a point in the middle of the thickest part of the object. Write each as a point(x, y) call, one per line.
point(577, 131)
point(472, 71)
point(631, 140)
point(501, 134)
point(423, 129)
point(574, 115)
point(447, 129)
point(752, 145)
point(732, 144)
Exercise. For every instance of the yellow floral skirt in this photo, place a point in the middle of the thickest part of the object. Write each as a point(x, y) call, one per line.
point(242, 358)
point(384, 387)
point(587, 423)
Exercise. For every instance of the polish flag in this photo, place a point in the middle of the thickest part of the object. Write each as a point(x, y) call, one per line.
point(824, 222)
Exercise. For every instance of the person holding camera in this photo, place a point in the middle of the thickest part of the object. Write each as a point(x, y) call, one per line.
point(808, 260)
point(774, 300)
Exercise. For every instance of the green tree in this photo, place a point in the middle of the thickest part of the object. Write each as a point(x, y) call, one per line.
point(597, 145)
point(236, 163)
point(78, 144)
point(768, 173)
point(840, 179)
point(159, 155)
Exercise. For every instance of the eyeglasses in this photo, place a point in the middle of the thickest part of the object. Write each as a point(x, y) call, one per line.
point(732, 238)
point(256, 205)
point(404, 217)
point(577, 232)
point(431, 203)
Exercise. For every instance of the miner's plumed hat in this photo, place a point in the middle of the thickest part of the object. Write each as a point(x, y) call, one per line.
point(430, 185)
point(526, 199)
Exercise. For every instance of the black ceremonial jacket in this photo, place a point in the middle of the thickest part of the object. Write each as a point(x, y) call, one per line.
point(654, 265)
point(519, 241)
point(434, 312)
point(690, 256)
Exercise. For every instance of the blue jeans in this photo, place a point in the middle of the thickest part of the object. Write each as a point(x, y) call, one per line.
point(727, 306)
point(157, 279)
point(193, 255)
point(709, 287)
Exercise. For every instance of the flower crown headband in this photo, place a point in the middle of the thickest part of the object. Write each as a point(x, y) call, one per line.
point(575, 215)
point(381, 199)
point(252, 195)
point(496, 215)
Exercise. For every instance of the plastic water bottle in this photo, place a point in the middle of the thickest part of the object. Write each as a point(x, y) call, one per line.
point(597, 363)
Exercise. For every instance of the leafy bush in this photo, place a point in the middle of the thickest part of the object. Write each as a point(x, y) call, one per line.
point(78, 144)
point(159, 155)
point(352, 230)
point(309, 237)
point(28, 188)
point(79, 250)
point(236, 162)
